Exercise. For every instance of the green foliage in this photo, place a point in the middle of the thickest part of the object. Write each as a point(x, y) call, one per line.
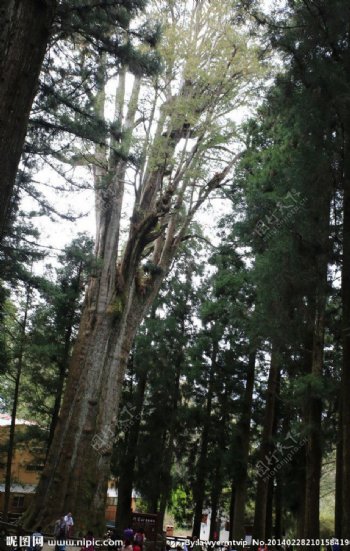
point(181, 506)
point(52, 325)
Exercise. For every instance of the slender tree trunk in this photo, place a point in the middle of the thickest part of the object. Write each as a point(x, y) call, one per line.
point(301, 454)
point(345, 379)
point(166, 479)
point(242, 449)
point(266, 448)
point(314, 445)
point(24, 34)
point(164, 497)
point(278, 532)
point(199, 487)
point(153, 504)
point(127, 470)
point(214, 521)
point(218, 474)
point(57, 404)
point(269, 509)
point(339, 480)
point(11, 443)
point(232, 509)
point(271, 488)
point(314, 403)
point(300, 520)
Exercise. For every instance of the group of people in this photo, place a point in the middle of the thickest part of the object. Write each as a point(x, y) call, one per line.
point(133, 541)
point(64, 527)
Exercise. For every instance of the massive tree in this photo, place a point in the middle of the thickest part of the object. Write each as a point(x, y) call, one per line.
point(186, 116)
point(25, 31)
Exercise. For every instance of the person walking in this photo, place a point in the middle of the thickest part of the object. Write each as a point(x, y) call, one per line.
point(60, 532)
point(69, 523)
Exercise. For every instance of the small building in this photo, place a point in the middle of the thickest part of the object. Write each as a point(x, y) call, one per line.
point(112, 500)
point(27, 464)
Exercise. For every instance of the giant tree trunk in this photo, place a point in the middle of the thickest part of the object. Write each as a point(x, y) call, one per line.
point(242, 443)
point(24, 33)
point(78, 464)
point(76, 473)
point(266, 448)
point(85, 431)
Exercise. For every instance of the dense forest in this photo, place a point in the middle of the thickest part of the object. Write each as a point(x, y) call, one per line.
point(194, 344)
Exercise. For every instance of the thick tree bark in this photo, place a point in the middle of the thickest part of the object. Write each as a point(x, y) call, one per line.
point(242, 444)
point(25, 29)
point(266, 448)
point(88, 418)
